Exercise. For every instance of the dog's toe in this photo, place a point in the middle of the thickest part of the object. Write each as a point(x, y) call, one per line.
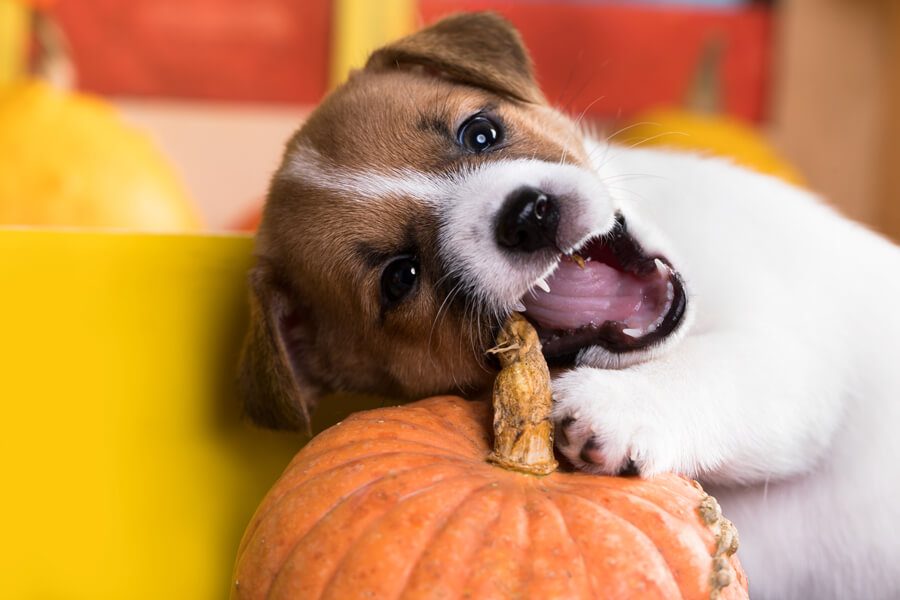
point(593, 458)
point(562, 430)
point(590, 453)
point(630, 469)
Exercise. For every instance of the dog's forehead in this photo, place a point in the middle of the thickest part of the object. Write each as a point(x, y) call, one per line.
point(393, 120)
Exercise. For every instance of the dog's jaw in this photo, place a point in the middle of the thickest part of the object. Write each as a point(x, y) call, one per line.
point(620, 302)
point(609, 293)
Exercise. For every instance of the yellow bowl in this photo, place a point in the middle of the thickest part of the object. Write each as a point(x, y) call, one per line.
point(127, 470)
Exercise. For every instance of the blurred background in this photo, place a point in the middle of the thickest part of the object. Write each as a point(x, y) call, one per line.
point(807, 89)
point(125, 456)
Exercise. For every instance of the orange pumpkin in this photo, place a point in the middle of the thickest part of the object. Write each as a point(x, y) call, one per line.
point(401, 502)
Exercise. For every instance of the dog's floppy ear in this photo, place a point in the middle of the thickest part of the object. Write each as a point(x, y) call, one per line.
point(275, 384)
point(481, 49)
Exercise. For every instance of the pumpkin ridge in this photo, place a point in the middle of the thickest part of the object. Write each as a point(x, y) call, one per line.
point(646, 507)
point(491, 484)
point(485, 529)
point(486, 555)
point(347, 429)
point(479, 444)
point(429, 406)
point(273, 498)
point(356, 490)
point(439, 450)
point(646, 494)
point(641, 535)
point(361, 421)
point(568, 535)
point(368, 528)
point(272, 501)
point(529, 574)
point(541, 503)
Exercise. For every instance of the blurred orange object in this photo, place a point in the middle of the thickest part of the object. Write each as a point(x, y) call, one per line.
point(70, 160)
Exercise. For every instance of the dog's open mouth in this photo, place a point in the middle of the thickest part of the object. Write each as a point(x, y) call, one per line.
point(609, 293)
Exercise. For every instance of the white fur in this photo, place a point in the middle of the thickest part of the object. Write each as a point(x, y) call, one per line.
point(467, 224)
point(783, 392)
point(306, 164)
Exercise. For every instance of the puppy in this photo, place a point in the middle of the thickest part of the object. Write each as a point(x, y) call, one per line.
point(702, 319)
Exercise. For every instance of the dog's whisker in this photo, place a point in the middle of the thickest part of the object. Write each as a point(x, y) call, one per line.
point(633, 176)
point(626, 128)
point(439, 315)
point(656, 137)
point(575, 129)
point(587, 81)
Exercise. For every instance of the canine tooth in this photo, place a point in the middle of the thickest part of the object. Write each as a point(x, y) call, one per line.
point(518, 306)
point(660, 265)
point(633, 333)
point(542, 283)
point(578, 259)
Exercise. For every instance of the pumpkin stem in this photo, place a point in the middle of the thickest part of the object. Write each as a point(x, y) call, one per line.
point(523, 432)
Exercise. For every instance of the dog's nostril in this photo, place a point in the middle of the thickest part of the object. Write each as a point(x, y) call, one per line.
point(541, 207)
point(528, 220)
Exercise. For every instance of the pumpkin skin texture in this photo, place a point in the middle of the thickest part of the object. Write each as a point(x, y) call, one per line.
point(400, 503)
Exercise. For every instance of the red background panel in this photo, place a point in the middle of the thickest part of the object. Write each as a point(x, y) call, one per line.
point(619, 59)
point(262, 50)
point(613, 59)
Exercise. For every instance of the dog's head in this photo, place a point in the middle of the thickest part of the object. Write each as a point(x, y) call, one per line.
point(427, 198)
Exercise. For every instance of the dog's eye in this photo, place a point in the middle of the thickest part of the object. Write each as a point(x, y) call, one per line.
point(478, 134)
point(399, 278)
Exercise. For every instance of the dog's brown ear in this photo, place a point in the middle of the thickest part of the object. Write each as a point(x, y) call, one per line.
point(275, 384)
point(481, 49)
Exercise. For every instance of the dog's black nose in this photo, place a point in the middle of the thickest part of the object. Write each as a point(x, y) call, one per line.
point(528, 220)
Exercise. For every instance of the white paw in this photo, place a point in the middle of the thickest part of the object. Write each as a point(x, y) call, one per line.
point(609, 422)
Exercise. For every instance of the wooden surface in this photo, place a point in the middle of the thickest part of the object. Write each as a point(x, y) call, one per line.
point(835, 88)
point(890, 164)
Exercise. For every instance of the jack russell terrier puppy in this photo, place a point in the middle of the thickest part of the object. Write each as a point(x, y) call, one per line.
point(703, 319)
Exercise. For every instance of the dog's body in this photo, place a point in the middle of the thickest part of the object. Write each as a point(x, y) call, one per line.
point(782, 396)
point(725, 325)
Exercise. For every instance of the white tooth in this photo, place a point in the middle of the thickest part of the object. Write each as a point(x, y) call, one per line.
point(633, 333)
point(661, 266)
point(542, 283)
point(518, 306)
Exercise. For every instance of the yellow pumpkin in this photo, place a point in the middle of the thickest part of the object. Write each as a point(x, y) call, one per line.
point(716, 135)
point(70, 160)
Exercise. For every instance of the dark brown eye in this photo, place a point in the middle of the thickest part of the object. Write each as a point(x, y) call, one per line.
point(479, 134)
point(399, 278)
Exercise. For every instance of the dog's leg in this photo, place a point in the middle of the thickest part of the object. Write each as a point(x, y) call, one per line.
point(716, 407)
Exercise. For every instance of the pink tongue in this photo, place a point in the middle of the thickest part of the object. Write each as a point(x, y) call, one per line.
point(594, 295)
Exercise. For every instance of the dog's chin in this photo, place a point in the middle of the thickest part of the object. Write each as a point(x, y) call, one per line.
point(608, 293)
